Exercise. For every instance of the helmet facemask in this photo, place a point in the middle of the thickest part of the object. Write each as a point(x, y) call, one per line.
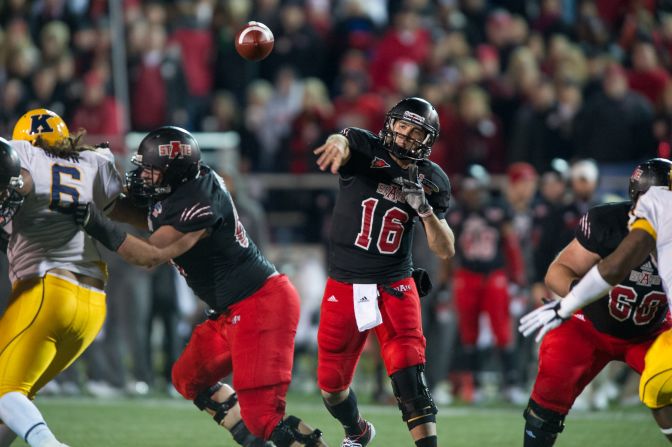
point(142, 189)
point(10, 199)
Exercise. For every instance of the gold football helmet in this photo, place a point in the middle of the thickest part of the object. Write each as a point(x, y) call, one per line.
point(41, 123)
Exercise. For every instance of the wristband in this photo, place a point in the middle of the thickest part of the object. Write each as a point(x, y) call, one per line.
point(589, 289)
point(425, 210)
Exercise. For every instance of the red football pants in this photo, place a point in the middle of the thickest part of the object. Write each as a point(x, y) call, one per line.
point(476, 293)
point(340, 343)
point(254, 339)
point(572, 355)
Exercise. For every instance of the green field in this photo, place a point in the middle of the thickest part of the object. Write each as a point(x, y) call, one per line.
point(160, 422)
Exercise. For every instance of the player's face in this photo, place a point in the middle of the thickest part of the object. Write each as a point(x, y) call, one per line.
point(407, 135)
point(151, 175)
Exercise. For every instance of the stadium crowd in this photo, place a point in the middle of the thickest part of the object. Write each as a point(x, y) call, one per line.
point(520, 86)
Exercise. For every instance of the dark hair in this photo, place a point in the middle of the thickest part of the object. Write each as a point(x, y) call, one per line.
point(68, 148)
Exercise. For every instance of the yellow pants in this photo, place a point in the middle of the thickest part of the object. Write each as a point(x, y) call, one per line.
point(655, 386)
point(49, 322)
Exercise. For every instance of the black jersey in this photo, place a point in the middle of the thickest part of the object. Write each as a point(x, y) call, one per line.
point(478, 236)
point(226, 266)
point(371, 230)
point(637, 306)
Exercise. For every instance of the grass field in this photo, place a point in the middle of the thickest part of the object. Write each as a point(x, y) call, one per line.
point(165, 422)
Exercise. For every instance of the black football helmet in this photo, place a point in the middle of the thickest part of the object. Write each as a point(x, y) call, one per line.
point(171, 150)
point(10, 182)
point(654, 172)
point(418, 112)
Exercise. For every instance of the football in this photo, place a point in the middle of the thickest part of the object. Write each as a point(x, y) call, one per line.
point(255, 41)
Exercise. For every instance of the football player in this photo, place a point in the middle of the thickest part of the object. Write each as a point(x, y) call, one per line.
point(621, 325)
point(255, 310)
point(649, 229)
point(386, 184)
point(57, 304)
point(485, 243)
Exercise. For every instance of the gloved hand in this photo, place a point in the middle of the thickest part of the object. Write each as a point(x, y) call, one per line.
point(547, 317)
point(414, 193)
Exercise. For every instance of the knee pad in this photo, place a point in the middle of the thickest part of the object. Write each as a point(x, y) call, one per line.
point(415, 402)
point(243, 436)
point(203, 401)
point(287, 432)
point(543, 419)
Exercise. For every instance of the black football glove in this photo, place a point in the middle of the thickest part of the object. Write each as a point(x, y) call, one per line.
point(414, 192)
point(99, 227)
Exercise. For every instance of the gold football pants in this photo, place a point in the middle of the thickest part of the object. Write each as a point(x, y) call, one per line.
point(655, 386)
point(49, 322)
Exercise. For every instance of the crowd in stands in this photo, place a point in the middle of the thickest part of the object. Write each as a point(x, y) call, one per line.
point(512, 79)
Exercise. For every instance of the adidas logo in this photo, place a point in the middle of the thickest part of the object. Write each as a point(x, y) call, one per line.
point(363, 300)
point(647, 266)
point(332, 299)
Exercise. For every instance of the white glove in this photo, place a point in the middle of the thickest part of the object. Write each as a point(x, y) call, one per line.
point(547, 317)
point(414, 192)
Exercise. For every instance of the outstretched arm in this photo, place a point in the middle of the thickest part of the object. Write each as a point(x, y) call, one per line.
point(630, 253)
point(334, 153)
point(569, 266)
point(166, 243)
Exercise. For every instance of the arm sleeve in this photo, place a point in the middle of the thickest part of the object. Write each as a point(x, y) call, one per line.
point(25, 152)
point(361, 144)
point(109, 183)
point(586, 233)
point(645, 216)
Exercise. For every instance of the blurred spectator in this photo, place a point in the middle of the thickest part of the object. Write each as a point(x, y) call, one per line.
point(615, 125)
point(158, 87)
point(477, 135)
point(99, 113)
point(297, 44)
point(314, 122)
point(405, 42)
point(647, 77)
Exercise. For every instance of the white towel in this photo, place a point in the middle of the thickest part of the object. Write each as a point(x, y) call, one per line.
point(365, 298)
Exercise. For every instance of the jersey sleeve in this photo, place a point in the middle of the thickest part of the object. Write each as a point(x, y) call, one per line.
point(193, 208)
point(438, 190)
point(362, 145)
point(26, 152)
point(109, 181)
point(645, 214)
point(587, 232)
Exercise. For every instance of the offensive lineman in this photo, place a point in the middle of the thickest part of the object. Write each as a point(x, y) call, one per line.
point(621, 325)
point(386, 182)
point(255, 309)
point(650, 230)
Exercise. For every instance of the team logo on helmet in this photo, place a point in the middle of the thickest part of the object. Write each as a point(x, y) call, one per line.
point(379, 163)
point(413, 117)
point(174, 149)
point(637, 174)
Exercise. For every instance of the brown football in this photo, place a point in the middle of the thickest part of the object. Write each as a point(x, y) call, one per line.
point(255, 41)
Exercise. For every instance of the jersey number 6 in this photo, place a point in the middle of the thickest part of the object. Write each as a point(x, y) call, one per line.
point(58, 189)
point(391, 231)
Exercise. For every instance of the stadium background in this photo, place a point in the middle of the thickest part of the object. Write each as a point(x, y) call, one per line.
point(513, 80)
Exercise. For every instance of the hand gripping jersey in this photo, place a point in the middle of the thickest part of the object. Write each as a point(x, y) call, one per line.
point(653, 214)
point(478, 236)
point(226, 266)
point(42, 238)
point(636, 307)
point(371, 229)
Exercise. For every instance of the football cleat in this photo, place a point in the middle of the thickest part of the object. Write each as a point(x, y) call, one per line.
point(361, 440)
